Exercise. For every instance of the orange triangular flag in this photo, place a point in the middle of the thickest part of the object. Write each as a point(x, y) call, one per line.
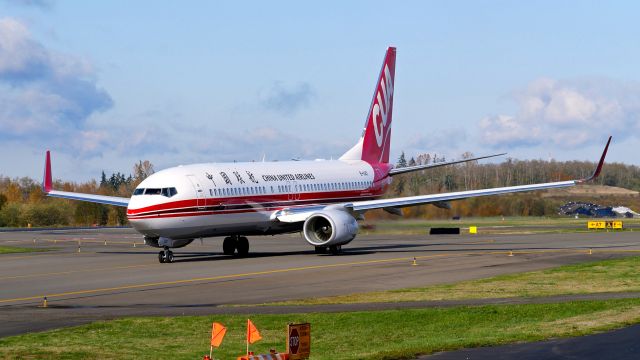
point(217, 334)
point(253, 334)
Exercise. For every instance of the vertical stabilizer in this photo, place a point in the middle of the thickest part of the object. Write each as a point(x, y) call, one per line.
point(373, 147)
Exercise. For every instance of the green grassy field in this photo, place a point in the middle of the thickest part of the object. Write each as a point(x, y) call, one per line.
point(594, 277)
point(393, 334)
point(12, 250)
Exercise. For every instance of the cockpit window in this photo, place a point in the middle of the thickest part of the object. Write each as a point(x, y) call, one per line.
point(168, 192)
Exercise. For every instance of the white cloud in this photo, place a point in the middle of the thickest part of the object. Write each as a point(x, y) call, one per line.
point(566, 113)
point(288, 100)
point(42, 4)
point(44, 95)
point(252, 144)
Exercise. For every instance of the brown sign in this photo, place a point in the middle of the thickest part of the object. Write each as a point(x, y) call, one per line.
point(299, 341)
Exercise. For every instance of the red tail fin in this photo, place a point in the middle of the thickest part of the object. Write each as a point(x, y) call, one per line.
point(46, 180)
point(374, 145)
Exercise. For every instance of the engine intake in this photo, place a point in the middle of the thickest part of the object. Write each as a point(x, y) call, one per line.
point(330, 227)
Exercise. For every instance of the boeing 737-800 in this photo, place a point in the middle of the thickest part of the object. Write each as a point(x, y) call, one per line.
point(323, 199)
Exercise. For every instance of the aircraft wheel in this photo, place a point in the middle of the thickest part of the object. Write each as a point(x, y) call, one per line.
point(243, 246)
point(320, 249)
point(169, 257)
point(335, 249)
point(161, 257)
point(228, 246)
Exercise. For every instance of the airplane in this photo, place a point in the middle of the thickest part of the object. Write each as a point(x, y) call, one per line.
point(323, 199)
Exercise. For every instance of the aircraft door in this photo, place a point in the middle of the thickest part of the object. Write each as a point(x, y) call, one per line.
point(294, 192)
point(200, 195)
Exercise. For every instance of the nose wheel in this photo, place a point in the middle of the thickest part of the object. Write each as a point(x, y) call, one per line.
point(165, 256)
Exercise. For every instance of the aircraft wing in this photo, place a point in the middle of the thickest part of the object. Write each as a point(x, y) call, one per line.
point(358, 207)
point(100, 199)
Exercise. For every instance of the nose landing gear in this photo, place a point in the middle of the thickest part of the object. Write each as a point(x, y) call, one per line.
point(165, 256)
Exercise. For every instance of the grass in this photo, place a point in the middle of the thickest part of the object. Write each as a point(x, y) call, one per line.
point(616, 275)
point(394, 334)
point(12, 250)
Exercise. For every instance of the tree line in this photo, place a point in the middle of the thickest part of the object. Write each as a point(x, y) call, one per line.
point(22, 201)
point(511, 172)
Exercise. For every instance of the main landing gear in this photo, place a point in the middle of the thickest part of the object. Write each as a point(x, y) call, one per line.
point(165, 256)
point(333, 249)
point(232, 243)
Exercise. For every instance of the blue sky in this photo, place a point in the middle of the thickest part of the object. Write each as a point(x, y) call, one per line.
point(104, 84)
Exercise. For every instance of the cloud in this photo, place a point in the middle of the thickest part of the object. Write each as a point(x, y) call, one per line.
point(288, 100)
point(274, 144)
point(42, 4)
point(566, 113)
point(44, 94)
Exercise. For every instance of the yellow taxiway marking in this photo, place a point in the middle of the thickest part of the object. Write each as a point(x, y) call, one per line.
point(75, 271)
point(43, 253)
point(219, 277)
point(76, 240)
point(293, 269)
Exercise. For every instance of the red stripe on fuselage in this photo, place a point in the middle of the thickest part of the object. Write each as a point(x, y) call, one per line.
point(280, 199)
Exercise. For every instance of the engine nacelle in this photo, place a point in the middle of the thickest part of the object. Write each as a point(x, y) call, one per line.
point(330, 227)
point(161, 242)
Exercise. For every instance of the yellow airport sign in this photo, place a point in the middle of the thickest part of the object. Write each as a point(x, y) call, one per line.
point(473, 229)
point(614, 224)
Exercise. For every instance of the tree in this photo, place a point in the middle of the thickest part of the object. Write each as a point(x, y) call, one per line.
point(400, 185)
point(142, 170)
point(103, 180)
point(402, 161)
point(3, 200)
point(14, 193)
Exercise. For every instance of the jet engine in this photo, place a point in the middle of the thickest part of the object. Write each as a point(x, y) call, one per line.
point(330, 227)
point(161, 242)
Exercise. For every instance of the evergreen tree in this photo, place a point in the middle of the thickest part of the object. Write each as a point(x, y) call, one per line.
point(402, 161)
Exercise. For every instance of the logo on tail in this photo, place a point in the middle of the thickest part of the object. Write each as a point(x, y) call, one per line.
point(381, 112)
point(374, 144)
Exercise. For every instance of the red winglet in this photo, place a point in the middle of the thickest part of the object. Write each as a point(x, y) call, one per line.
point(46, 181)
point(599, 168)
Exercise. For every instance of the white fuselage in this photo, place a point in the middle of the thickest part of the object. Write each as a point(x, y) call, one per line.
point(216, 199)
